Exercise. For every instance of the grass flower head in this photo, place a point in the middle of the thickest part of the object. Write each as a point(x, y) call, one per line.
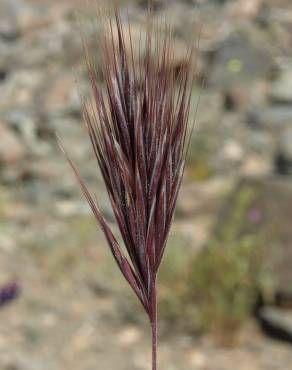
point(138, 128)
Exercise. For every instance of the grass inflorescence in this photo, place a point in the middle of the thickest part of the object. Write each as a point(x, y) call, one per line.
point(138, 127)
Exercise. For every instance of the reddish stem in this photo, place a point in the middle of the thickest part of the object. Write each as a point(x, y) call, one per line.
point(154, 325)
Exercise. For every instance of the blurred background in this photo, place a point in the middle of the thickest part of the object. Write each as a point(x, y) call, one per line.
point(225, 286)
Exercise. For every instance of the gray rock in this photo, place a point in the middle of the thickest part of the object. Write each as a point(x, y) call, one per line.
point(284, 154)
point(56, 42)
point(8, 26)
point(157, 4)
point(11, 150)
point(18, 17)
point(20, 88)
point(24, 121)
point(4, 52)
point(276, 322)
point(281, 89)
point(61, 97)
point(238, 61)
point(270, 117)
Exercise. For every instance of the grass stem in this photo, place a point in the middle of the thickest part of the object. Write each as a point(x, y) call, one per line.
point(154, 326)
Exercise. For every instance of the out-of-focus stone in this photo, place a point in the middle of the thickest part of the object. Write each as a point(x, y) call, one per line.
point(239, 61)
point(19, 17)
point(232, 151)
point(241, 97)
point(281, 89)
point(19, 88)
point(67, 208)
point(199, 199)
point(284, 155)
point(58, 43)
point(11, 150)
point(157, 4)
point(246, 8)
point(8, 25)
point(128, 336)
point(256, 165)
point(6, 242)
point(270, 117)
point(24, 121)
point(276, 322)
point(197, 359)
point(61, 95)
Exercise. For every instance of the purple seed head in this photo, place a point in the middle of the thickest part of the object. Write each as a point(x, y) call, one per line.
point(138, 127)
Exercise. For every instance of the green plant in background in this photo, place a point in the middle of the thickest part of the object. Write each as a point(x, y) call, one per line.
point(224, 284)
point(173, 276)
point(226, 276)
point(198, 161)
point(219, 287)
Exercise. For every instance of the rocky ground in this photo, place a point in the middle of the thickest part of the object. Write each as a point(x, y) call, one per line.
point(73, 310)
